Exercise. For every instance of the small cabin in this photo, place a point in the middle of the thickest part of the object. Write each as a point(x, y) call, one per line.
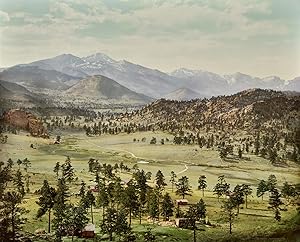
point(180, 202)
point(88, 231)
point(181, 222)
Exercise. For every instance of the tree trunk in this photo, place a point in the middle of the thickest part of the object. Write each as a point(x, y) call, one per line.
point(230, 226)
point(110, 236)
point(140, 213)
point(158, 209)
point(103, 213)
point(172, 187)
point(246, 202)
point(194, 233)
point(92, 214)
point(238, 209)
point(13, 225)
point(49, 221)
point(130, 217)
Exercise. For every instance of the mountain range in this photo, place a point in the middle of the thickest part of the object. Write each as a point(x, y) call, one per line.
point(66, 70)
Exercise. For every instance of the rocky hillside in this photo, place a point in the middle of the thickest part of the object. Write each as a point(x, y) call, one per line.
point(26, 121)
point(247, 110)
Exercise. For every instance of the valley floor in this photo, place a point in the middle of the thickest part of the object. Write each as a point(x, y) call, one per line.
point(253, 222)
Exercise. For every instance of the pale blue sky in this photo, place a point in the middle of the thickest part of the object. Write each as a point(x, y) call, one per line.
point(257, 37)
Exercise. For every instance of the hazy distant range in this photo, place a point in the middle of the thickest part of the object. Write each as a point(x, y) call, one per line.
point(68, 73)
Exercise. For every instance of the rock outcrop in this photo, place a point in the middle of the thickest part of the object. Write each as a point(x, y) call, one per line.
point(26, 121)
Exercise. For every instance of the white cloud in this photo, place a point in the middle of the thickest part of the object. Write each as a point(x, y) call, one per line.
point(4, 17)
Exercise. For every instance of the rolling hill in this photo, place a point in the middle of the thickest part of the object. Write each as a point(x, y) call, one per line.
point(247, 110)
point(101, 87)
point(183, 94)
point(33, 76)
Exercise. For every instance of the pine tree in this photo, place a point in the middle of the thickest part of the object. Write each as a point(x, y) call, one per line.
point(202, 184)
point(141, 183)
point(167, 207)
point(275, 203)
point(12, 202)
point(60, 209)
point(228, 211)
point(68, 171)
point(262, 188)
point(271, 183)
point(183, 187)
point(152, 204)
point(11, 210)
point(160, 186)
point(46, 201)
point(200, 209)
point(247, 190)
point(56, 169)
point(26, 163)
point(173, 179)
point(19, 183)
point(160, 181)
point(238, 196)
point(130, 199)
point(114, 222)
point(288, 191)
point(222, 187)
point(75, 218)
point(90, 202)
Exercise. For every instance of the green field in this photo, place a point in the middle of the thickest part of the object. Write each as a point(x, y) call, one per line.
point(189, 160)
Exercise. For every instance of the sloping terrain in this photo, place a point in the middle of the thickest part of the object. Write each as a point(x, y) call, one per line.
point(32, 76)
point(248, 110)
point(182, 94)
point(104, 88)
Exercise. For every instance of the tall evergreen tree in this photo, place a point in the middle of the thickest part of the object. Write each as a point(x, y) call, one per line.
point(19, 182)
point(60, 209)
point(183, 187)
point(275, 202)
point(68, 171)
point(228, 211)
point(167, 207)
point(75, 219)
point(222, 187)
point(271, 183)
point(173, 179)
point(152, 204)
point(56, 169)
point(141, 183)
point(247, 190)
point(46, 202)
point(202, 184)
point(90, 202)
point(238, 197)
point(130, 199)
point(262, 188)
point(114, 222)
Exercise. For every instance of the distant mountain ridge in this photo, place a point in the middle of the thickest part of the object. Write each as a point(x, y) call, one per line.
point(62, 71)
